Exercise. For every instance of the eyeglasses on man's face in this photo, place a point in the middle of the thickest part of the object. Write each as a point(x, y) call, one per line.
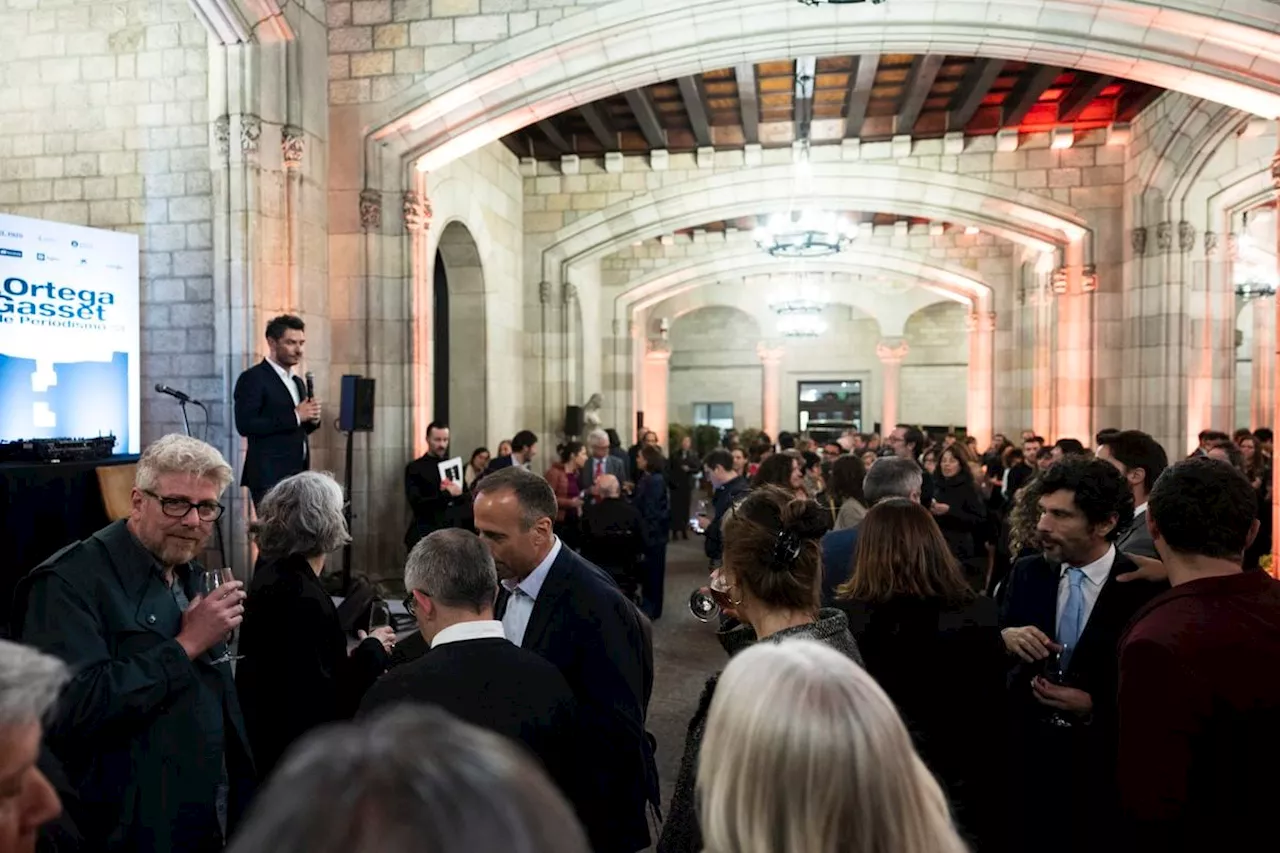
point(180, 507)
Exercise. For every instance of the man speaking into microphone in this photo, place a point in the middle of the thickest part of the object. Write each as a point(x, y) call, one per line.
point(276, 411)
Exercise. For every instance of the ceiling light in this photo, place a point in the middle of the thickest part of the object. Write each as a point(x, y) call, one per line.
point(798, 301)
point(801, 326)
point(972, 230)
point(806, 234)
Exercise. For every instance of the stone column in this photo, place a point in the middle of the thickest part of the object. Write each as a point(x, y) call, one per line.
point(1262, 395)
point(1275, 397)
point(982, 333)
point(891, 352)
point(771, 388)
point(1042, 361)
point(416, 211)
point(1073, 357)
point(656, 372)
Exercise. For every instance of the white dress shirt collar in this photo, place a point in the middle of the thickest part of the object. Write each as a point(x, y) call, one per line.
point(481, 629)
point(1095, 574)
point(1098, 571)
point(1139, 509)
point(283, 372)
point(532, 585)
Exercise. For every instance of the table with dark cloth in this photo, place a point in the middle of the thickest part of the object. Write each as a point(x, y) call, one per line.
point(45, 506)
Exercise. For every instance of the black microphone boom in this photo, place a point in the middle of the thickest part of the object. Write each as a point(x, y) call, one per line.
point(311, 385)
point(172, 392)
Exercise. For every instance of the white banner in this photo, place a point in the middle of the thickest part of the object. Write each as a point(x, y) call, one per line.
point(69, 333)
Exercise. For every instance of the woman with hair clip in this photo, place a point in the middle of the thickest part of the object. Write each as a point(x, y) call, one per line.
point(563, 477)
point(926, 636)
point(840, 775)
point(773, 572)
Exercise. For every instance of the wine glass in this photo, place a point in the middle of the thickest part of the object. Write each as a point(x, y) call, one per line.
point(707, 601)
point(207, 584)
point(1055, 673)
point(379, 616)
point(703, 512)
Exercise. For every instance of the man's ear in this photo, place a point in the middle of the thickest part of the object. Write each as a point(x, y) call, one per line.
point(1154, 529)
point(1253, 533)
point(425, 606)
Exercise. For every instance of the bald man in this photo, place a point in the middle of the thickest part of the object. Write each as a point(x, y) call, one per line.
point(612, 535)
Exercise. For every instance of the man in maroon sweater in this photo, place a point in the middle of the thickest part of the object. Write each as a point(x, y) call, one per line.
point(1199, 692)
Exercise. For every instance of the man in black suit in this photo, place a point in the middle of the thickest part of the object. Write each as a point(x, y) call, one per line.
point(524, 446)
point(601, 464)
point(149, 730)
point(275, 412)
point(907, 442)
point(472, 670)
point(570, 612)
point(888, 478)
point(1067, 604)
point(612, 535)
point(1141, 460)
point(436, 503)
point(728, 485)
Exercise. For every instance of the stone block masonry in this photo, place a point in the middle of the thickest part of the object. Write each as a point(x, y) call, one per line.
point(106, 125)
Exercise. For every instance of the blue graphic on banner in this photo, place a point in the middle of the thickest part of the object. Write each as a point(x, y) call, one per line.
point(87, 399)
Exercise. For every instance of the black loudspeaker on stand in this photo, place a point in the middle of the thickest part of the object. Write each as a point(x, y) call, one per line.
point(355, 414)
point(573, 422)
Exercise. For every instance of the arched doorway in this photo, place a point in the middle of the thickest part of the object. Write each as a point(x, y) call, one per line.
point(459, 365)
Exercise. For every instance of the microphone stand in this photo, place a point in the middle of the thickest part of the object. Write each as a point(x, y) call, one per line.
point(186, 426)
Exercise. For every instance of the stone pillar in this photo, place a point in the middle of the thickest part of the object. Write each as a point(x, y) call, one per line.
point(1262, 400)
point(982, 333)
point(771, 388)
point(891, 353)
point(416, 211)
point(656, 363)
point(1042, 361)
point(1073, 356)
point(1275, 397)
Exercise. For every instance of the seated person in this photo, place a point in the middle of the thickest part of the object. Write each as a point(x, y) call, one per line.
point(612, 535)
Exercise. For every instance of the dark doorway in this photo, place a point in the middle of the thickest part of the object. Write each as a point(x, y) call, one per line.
point(440, 334)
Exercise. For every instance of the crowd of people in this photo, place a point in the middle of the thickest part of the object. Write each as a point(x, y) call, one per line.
point(929, 650)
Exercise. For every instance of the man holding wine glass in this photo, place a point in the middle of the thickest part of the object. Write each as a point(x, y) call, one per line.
point(149, 729)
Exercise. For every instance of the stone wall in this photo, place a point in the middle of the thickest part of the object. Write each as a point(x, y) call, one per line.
point(934, 373)
point(106, 124)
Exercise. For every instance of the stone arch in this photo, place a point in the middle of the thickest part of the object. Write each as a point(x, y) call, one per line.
point(1221, 52)
point(462, 298)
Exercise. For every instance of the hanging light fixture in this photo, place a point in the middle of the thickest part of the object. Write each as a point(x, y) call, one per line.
point(801, 325)
point(837, 2)
point(799, 311)
point(1254, 270)
point(806, 234)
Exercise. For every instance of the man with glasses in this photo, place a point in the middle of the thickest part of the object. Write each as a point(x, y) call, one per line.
point(149, 729)
point(472, 670)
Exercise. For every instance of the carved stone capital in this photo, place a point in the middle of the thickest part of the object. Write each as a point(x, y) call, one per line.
point(657, 352)
point(1164, 237)
point(1058, 281)
point(250, 133)
point(293, 145)
point(1211, 243)
point(1088, 279)
point(894, 351)
point(371, 210)
point(979, 321)
point(570, 293)
point(222, 134)
point(770, 356)
point(417, 212)
point(1186, 236)
point(1233, 246)
point(544, 292)
point(1138, 241)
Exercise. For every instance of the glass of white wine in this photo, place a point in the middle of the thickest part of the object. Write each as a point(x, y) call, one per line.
point(209, 582)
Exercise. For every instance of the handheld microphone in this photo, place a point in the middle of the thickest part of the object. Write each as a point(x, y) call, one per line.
point(311, 385)
point(172, 392)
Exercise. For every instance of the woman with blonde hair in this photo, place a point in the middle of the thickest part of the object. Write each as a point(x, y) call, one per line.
point(804, 753)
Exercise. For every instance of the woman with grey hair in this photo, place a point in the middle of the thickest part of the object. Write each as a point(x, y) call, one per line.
point(296, 673)
point(30, 682)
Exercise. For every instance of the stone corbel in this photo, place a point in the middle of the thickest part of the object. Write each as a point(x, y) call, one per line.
point(570, 293)
point(371, 210)
point(1164, 237)
point(1138, 241)
point(250, 133)
point(1186, 236)
point(1211, 243)
point(544, 292)
point(293, 145)
point(417, 212)
point(222, 135)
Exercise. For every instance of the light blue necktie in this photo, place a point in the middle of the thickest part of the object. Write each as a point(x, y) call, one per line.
point(1073, 615)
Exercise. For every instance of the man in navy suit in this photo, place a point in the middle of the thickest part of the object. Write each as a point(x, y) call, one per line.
point(274, 411)
point(1067, 604)
point(524, 446)
point(890, 477)
point(570, 612)
point(601, 464)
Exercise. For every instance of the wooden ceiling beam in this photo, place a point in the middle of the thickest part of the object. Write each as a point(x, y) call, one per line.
point(1027, 92)
point(1132, 103)
point(647, 118)
point(553, 134)
point(982, 75)
point(860, 94)
point(599, 126)
point(806, 78)
point(1086, 89)
point(749, 102)
point(696, 107)
point(924, 71)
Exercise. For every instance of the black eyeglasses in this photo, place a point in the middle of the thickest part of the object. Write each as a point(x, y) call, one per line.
point(410, 604)
point(179, 507)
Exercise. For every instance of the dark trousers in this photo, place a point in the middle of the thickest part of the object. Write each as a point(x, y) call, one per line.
point(653, 580)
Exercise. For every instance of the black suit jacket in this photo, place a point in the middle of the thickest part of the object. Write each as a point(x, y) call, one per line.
point(1083, 758)
point(296, 674)
point(265, 414)
point(920, 651)
point(497, 464)
point(584, 625)
point(613, 537)
point(142, 731)
point(500, 687)
point(433, 508)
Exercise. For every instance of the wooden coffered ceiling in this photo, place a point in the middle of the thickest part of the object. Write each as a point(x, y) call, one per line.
point(869, 96)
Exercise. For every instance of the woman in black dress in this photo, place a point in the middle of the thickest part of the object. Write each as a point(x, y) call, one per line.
point(296, 673)
point(961, 513)
point(684, 467)
point(653, 502)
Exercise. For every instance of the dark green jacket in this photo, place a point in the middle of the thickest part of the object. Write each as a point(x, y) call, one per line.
point(141, 729)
